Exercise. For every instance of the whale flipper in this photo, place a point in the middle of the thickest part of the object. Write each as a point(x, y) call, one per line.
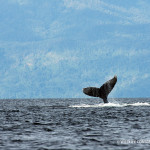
point(103, 91)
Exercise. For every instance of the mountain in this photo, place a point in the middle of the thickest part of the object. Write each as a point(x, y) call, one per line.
point(52, 49)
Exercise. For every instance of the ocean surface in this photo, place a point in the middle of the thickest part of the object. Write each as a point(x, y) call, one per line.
point(43, 124)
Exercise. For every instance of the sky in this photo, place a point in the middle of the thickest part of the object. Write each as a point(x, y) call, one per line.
point(54, 48)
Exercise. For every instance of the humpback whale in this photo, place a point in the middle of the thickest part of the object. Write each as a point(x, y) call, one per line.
point(103, 91)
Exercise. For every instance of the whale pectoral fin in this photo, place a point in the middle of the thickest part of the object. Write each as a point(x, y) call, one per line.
point(107, 87)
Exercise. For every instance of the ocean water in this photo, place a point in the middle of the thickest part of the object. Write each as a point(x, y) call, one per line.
point(43, 124)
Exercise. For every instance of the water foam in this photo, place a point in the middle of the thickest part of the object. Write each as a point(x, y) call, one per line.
point(112, 105)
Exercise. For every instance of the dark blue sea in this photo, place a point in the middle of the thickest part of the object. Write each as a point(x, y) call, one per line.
point(78, 124)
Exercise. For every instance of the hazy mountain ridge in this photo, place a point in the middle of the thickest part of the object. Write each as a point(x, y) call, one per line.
point(54, 49)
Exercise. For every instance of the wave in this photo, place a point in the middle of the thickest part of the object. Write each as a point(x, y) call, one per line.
point(112, 105)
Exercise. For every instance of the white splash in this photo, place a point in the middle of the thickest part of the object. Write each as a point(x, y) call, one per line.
point(110, 105)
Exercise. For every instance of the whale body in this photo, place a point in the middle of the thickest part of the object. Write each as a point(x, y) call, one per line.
point(103, 91)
